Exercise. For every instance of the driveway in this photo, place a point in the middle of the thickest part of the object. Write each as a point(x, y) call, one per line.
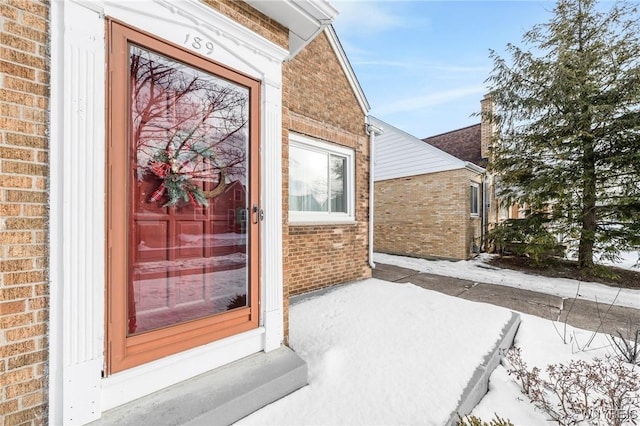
point(576, 312)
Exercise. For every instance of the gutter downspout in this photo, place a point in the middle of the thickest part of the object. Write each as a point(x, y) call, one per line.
point(485, 213)
point(372, 131)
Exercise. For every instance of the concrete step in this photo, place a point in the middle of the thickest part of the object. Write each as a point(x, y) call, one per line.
point(219, 397)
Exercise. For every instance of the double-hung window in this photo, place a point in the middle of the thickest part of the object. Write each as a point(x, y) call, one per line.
point(321, 181)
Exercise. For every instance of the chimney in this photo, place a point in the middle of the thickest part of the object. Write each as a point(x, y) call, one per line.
point(487, 128)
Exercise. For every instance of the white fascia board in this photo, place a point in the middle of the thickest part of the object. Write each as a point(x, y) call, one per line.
point(474, 167)
point(348, 70)
point(377, 123)
point(305, 19)
point(373, 127)
point(319, 8)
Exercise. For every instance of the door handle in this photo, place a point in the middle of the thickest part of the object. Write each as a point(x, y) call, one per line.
point(257, 213)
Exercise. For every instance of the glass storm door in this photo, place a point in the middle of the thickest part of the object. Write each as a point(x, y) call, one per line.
point(183, 183)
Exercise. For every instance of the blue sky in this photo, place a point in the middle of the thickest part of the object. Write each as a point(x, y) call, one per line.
point(422, 64)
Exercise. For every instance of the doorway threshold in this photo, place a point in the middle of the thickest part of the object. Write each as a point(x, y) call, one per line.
point(219, 397)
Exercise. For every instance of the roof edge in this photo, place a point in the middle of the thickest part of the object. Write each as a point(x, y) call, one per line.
point(451, 131)
point(348, 69)
point(305, 19)
point(452, 158)
point(474, 167)
point(401, 175)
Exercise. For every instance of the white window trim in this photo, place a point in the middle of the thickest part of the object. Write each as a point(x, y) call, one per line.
point(308, 218)
point(475, 185)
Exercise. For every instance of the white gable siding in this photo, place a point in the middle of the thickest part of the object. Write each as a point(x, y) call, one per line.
point(398, 154)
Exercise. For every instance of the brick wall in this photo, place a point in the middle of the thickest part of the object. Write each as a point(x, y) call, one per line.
point(487, 130)
point(426, 215)
point(315, 86)
point(319, 102)
point(24, 92)
point(249, 17)
point(319, 256)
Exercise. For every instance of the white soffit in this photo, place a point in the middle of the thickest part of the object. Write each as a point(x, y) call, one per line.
point(305, 19)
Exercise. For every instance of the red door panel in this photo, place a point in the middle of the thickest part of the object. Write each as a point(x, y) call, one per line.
point(183, 271)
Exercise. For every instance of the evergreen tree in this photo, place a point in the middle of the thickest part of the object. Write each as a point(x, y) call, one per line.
point(567, 114)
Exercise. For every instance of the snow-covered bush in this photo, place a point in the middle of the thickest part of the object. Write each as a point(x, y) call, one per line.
point(604, 391)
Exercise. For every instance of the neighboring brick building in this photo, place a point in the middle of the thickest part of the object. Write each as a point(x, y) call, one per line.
point(473, 144)
point(113, 258)
point(461, 143)
point(427, 203)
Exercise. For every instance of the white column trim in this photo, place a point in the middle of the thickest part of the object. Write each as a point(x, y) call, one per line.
point(56, 271)
point(272, 225)
point(77, 214)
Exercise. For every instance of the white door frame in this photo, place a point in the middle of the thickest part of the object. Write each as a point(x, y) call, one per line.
point(77, 392)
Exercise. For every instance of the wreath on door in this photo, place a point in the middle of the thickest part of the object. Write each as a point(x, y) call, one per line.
point(178, 171)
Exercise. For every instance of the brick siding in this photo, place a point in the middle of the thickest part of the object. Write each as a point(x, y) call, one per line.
point(464, 144)
point(426, 215)
point(24, 90)
point(250, 18)
point(315, 86)
point(319, 102)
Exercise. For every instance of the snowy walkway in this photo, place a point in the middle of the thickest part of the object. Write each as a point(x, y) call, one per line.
point(577, 312)
point(383, 353)
point(477, 270)
point(390, 354)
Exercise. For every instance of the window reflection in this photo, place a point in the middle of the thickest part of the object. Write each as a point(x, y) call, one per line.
point(189, 169)
point(317, 181)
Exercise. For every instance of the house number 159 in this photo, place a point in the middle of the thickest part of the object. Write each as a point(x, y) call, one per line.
point(198, 43)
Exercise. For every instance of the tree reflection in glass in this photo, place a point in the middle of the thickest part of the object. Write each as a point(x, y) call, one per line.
point(189, 161)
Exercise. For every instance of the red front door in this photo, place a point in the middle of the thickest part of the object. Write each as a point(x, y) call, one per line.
point(183, 179)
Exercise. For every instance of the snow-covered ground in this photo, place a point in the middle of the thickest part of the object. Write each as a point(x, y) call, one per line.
point(541, 346)
point(628, 260)
point(478, 270)
point(383, 353)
